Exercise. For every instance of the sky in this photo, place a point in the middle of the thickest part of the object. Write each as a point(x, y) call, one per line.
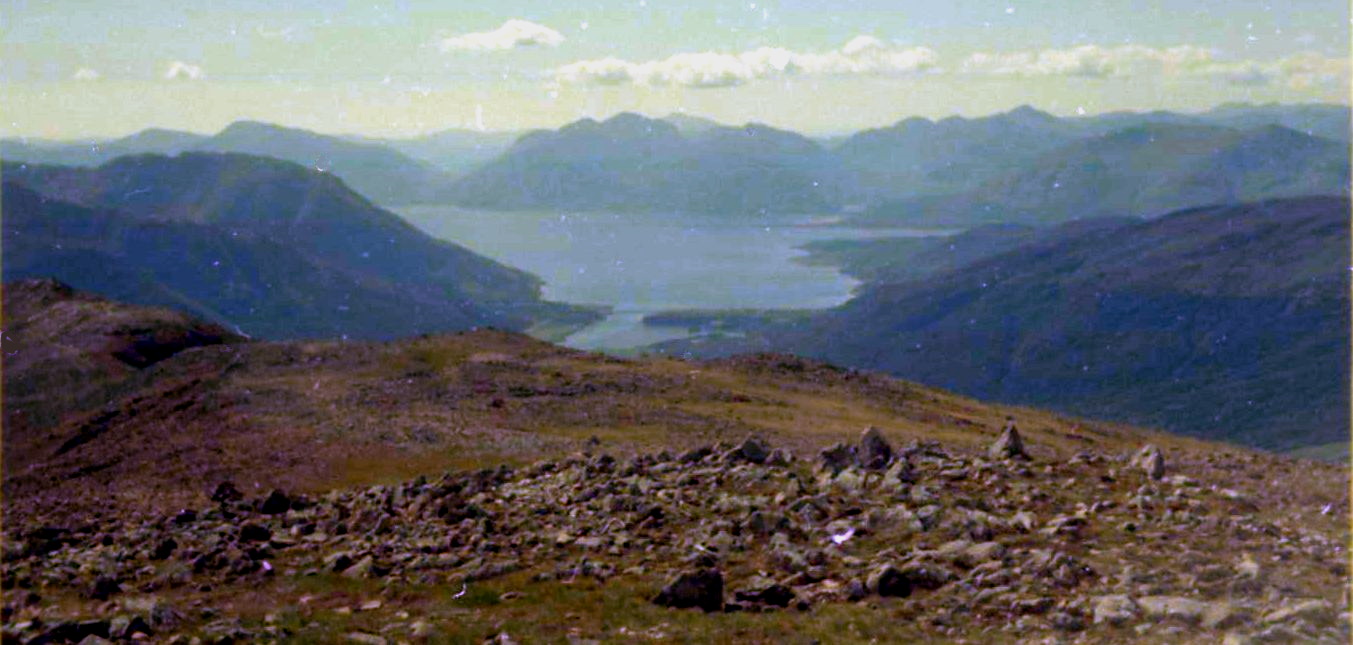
point(72, 69)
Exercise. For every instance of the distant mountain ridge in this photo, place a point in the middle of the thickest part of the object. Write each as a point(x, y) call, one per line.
point(632, 163)
point(379, 173)
point(951, 171)
point(1143, 171)
point(278, 250)
point(454, 151)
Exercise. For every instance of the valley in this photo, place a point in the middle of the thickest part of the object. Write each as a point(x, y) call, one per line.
point(1000, 379)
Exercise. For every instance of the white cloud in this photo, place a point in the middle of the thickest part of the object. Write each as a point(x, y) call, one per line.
point(1298, 71)
point(86, 74)
point(179, 70)
point(863, 55)
point(1310, 69)
point(1092, 61)
point(512, 34)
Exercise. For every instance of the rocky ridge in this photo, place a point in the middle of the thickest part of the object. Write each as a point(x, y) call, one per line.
point(952, 543)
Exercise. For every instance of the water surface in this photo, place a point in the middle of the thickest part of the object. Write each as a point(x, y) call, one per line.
point(644, 263)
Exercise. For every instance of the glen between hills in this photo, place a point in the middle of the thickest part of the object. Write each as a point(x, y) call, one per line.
point(235, 490)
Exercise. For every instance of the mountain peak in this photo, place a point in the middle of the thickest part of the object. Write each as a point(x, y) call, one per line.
point(691, 124)
point(1028, 113)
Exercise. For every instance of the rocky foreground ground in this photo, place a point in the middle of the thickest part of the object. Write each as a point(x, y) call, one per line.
point(863, 542)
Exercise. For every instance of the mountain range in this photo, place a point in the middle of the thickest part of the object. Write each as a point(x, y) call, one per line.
point(1227, 322)
point(268, 247)
point(633, 163)
point(379, 173)
point(1022, 165)
point(1144, 170)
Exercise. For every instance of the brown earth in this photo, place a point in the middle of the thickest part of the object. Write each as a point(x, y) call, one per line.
point(103, 449)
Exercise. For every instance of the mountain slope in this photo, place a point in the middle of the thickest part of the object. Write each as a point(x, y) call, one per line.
point(918, 156)
point(452, 151)
point(501, 485)
point(69, 351)
point(1226, 322)
point(1323, 120)
point(633, 163)
point(93, 153)
point(379, 173)
point(1139, 171)
point(269, 246)
point(906, 259)
point(376, 172)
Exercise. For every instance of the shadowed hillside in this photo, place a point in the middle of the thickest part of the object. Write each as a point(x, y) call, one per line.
point(268, 246)
point(1227, 322)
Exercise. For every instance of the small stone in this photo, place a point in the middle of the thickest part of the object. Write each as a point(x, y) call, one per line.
point(363, 568)
point(164, 549)
point(226, 492)
point(1067, 622)
point(421, 630)
point(888, 581)
point(701, 588)
point(251, 532)
point(767, 593)
point(164, 617)
point(1009, 445)
point(1223, 615)
point(926, 575)
point(874, 453)
point(753, 450)
point(104, 587)
point(366, 639)
point(981, 552)
point(1150, 460)
point(1307, 609)
point(276, 503)
point(1114, 610)
point(1162, 607)
point(837, 458)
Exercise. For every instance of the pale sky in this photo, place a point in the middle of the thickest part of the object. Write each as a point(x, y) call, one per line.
point(75, 69)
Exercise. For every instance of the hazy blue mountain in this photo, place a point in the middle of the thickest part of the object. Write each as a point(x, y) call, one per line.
point(1324, 120)
point(691, 124)
point(381, 174)
point(918, 156)
point(633, 163)
point(93, 153)
point(270, 246)
point(1145, 170)
point(454, 151)
point(1226, 322)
